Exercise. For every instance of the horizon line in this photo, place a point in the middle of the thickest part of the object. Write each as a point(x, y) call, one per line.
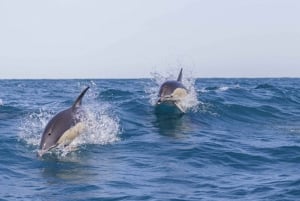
point(136, 78)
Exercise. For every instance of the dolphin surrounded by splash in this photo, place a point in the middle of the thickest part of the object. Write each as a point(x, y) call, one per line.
point(170, 96)
point(63, 128)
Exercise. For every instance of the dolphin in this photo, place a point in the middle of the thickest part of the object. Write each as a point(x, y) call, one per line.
point(62, 128)
point(172, 92)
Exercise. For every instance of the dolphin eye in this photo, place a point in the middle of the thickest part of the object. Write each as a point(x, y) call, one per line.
point(49, 133)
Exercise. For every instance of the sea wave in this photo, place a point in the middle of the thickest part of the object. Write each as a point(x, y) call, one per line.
point(241, 142)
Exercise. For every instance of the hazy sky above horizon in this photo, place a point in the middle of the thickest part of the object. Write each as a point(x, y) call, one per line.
point(133, 38)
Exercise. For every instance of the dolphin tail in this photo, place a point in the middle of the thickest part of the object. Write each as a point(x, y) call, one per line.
point(179, 79)
point(77, 103)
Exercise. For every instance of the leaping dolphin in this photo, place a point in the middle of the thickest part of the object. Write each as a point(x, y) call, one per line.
point(62, 128)
point(172, 92)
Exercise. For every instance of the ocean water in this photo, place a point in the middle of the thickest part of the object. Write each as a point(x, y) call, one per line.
point(239, 140)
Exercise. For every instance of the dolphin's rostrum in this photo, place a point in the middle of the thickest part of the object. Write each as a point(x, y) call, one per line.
point(62, 128)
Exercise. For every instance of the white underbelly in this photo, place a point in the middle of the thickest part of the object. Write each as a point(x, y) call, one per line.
point(70, 134)
point(179, 93)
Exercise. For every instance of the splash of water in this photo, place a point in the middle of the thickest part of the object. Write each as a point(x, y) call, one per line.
point(101, 127)
point(32, 126)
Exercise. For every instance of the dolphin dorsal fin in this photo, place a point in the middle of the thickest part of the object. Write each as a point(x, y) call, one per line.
point(77, 103)
point(179, 78)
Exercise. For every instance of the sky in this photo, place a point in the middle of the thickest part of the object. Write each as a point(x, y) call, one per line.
point(134, 38)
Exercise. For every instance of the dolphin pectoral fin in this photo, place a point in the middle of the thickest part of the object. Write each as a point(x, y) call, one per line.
point(77, 103)
point(179, 106)
point(41, 152)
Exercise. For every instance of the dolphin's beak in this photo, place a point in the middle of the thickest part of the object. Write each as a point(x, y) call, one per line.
point(41, 152)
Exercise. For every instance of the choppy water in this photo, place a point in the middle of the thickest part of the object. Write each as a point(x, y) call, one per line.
point(240, 140)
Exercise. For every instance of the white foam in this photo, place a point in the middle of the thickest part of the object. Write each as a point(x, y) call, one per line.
point(225, 88)
point(32, 126)
point(101, 127)
point(1, 102)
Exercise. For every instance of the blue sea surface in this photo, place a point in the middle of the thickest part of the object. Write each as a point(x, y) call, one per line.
point(239, 140)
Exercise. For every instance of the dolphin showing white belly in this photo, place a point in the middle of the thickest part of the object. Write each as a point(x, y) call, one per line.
point(172, 92)
point(62, 128)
